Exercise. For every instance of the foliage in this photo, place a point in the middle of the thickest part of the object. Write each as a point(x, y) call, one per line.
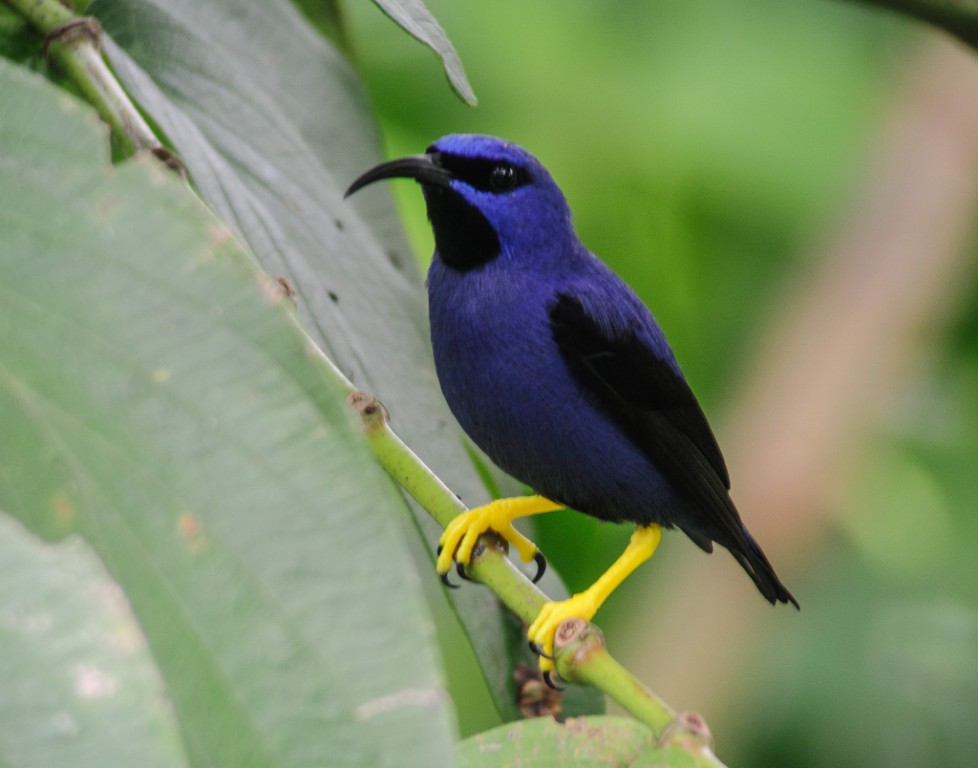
point(160, 402)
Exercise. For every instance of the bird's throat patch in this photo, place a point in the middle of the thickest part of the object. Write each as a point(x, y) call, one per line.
point(463, 236)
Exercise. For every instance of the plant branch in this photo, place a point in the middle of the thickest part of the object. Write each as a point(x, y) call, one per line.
point(580, 652)
point(74, 43)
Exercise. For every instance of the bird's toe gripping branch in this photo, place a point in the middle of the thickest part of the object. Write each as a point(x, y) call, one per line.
point(460, 537)
point(585, 604)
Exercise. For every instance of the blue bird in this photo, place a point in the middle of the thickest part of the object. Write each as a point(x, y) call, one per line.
point(560, 374)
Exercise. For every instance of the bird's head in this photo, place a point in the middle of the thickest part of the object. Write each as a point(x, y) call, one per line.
point(485, 197)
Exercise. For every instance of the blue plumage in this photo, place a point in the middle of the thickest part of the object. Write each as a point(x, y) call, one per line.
point(501, 372)
point(552, 365)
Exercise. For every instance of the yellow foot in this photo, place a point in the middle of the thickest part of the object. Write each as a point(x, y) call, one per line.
point(462, 533)
point(552, 615)
point(585, 604)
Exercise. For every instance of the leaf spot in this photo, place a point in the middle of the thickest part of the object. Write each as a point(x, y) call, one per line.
point(276, 290)
point(192, 532)
point(218, 234)
point(161, 376)
point(64, 510)
point(107, 205)
point(93, 683)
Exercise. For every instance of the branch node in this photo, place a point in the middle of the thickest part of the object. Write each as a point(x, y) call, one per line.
point(569, 631)
point(172, 162)
point(689, 731)
point(84, 27)
point(576, 642)
point(371, 411)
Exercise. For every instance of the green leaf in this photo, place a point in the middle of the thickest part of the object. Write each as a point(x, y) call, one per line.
point(79, 686)
point(417, 21)
point(273, 126)
point(158, 399)
point(608, 742)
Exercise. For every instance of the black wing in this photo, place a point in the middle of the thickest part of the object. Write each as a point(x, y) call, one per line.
point(642, 391)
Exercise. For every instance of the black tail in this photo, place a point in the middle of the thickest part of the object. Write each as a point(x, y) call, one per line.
point(753, 560)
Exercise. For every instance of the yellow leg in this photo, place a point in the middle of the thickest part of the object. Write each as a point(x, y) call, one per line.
point(459, 538)
point(585, 604)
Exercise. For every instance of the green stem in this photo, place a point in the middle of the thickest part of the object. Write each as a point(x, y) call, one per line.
point(583, 658)
point(78, 54)
point(399, 461)
point(587, 661)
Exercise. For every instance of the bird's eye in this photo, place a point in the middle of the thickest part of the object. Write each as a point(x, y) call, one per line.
point(502, 178)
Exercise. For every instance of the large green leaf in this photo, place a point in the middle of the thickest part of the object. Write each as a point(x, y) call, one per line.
point(158, 398)
point(79, 687)
point(272, 124)
point(584, 742)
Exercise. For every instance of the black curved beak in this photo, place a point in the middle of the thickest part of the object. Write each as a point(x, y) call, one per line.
point(425, 169)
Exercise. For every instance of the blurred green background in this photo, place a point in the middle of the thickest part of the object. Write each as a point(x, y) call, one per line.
point(715, 155)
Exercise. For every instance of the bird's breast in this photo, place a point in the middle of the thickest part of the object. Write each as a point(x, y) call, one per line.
point(491, 340)
point(493, 351)
point(504, 379)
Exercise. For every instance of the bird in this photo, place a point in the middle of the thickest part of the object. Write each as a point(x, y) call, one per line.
point(560, 374)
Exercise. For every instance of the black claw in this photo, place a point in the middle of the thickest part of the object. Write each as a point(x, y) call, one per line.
point(550, 681)
point(446, 582)
point(539, 651)
point(460, 570)
point(541, 562)
point(444, 576)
